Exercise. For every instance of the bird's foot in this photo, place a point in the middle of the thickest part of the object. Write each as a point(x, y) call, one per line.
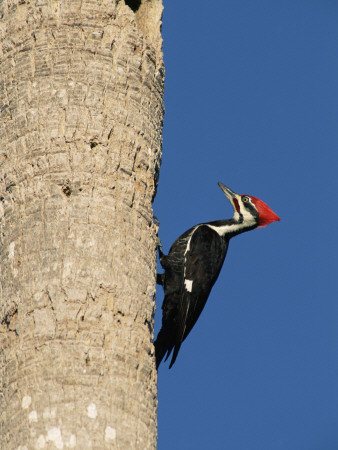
point(156, 221)
point(158, 242)
point(159, 247)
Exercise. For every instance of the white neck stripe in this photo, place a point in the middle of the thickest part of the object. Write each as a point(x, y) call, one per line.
point(225, 229)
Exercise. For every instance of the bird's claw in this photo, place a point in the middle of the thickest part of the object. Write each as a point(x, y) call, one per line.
point(156, 221)
point(159, 246)
point(159, 243)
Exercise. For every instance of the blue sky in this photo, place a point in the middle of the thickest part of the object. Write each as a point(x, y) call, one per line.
point(251, 100)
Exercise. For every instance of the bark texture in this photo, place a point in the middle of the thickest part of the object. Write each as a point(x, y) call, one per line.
point(81, 87)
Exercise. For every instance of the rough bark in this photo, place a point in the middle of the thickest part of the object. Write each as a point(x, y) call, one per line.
point(81, 87)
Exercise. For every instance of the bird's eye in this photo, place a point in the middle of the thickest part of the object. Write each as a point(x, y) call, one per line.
point(245, 199)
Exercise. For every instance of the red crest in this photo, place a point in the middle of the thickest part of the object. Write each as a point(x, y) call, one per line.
point(266, 215)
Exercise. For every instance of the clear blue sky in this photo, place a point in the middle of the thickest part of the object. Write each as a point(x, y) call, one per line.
point(251, 100)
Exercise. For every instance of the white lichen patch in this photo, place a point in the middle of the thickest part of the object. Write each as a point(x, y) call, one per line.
point(41, 441)
point(72, 441)
point(26, 401)
point(11, 250)
point(92, 411)
point(33, 416)
point(54, 435)
point(109, 434)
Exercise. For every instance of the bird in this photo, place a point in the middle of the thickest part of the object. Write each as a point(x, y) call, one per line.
point(193, 264)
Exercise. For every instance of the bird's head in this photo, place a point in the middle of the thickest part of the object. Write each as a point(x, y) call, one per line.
point(249, 209)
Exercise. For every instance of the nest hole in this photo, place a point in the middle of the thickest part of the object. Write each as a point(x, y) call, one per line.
point(133, 4)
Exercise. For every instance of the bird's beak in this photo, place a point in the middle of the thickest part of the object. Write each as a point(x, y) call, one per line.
point(231, 196)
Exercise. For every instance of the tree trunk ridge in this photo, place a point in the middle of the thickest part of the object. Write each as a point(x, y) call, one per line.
point(81, 89)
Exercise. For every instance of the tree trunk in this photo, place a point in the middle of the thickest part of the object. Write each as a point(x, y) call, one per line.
point(81, 89)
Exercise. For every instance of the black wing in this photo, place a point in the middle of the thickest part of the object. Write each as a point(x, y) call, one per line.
point(183, 305)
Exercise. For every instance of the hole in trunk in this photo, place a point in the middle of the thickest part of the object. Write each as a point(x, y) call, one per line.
point(67, 191)
point(133, 4)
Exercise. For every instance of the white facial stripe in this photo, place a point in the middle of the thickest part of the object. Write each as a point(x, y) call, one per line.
point(188, 285)
point(243, 211)
point(236, 216)
point(247, 216)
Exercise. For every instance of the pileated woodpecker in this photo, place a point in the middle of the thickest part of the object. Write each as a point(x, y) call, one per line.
point(193, 265)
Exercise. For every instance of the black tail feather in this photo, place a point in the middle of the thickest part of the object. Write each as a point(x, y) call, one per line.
point(168, 338)
point(163, 347)
point(173, 359)
point(160, 348)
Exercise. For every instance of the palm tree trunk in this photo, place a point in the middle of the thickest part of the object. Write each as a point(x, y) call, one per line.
point(81, 92)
